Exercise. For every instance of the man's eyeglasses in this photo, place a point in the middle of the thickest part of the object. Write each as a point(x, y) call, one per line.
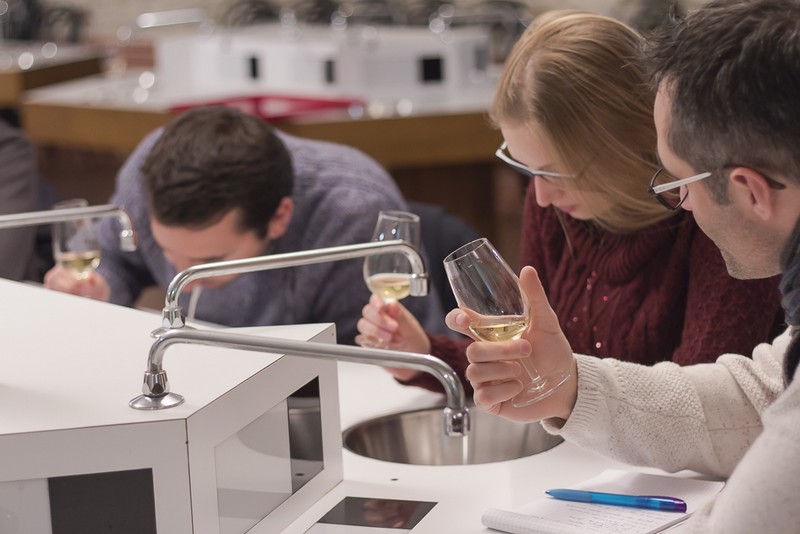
point(503, 155)
point(665, 187)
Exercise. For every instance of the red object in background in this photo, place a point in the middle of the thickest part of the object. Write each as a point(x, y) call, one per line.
point(276, 107)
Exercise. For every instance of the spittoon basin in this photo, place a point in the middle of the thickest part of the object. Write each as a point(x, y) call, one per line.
point(417, 437)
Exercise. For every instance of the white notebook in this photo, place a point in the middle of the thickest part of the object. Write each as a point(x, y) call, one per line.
point(552, 516)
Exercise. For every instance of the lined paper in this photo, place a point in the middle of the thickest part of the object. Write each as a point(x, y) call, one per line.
point(552, 516)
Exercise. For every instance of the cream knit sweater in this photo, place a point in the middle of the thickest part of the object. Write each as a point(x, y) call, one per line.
point(732, 418)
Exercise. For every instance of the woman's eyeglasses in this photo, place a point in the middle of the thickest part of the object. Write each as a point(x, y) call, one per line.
point(505, 157)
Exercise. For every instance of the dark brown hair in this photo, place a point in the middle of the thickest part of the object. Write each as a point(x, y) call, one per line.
point(731, 70)
point(211, 160)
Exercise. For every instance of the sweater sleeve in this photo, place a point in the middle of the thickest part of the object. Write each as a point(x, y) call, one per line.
point(453, 353)
point(702, 417)
point(127, 272)
point(764, 487)
point(724, 314)
point(18, 193)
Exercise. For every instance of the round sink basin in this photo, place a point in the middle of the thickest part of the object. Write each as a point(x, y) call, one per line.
point(418, 438)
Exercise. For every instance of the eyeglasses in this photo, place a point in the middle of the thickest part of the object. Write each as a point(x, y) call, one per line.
point(503, 155)
point(663, 186)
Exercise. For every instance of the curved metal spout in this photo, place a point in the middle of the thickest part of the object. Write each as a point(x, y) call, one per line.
point(156, 394)
point(173, 318)
point(35, 218)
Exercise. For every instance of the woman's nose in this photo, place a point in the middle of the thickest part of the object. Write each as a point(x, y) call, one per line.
point(546, 192)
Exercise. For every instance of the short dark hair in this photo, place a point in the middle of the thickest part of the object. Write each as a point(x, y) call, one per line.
point(210, 160)
point(732, 70)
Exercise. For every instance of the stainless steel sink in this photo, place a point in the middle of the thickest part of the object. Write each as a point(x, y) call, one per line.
point(417, 438)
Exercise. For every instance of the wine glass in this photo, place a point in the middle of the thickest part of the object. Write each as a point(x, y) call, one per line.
point(487, 290)
point(389, 275)
point(76, 245)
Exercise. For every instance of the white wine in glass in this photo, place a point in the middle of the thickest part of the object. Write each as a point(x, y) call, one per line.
point(76, 245)
point(390, 286)
point(488, 291)
point(388, 276)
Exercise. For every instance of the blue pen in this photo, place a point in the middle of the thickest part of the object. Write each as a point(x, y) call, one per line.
point(650, 502)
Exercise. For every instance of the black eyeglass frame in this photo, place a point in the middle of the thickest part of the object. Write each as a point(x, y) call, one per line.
point(657, 190)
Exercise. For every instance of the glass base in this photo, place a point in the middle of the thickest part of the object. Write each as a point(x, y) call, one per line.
point(539, 389)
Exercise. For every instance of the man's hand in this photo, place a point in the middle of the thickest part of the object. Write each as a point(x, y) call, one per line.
point(94, 286)
point(496, 373)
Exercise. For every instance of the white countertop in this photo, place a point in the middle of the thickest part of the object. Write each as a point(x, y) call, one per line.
point(41, 323)
point(21, 56)
point(61, 373)
point(463, 493)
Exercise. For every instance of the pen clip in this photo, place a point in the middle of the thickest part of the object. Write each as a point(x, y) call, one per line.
point(663, 497)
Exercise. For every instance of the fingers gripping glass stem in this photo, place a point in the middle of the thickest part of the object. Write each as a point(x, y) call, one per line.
point(488, 291)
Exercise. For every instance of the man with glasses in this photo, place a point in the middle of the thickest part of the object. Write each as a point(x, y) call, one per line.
point(671, 193)
point(727, 91)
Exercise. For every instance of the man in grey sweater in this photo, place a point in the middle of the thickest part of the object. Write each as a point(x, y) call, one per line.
point(217, 184)
point(19, 192)
point(729, 134)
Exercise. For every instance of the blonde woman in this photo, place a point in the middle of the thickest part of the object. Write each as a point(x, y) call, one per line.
point(626, 277)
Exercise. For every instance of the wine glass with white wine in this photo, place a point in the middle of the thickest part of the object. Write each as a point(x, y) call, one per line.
point(389, 275)
point(487, 290)
point(76, 244)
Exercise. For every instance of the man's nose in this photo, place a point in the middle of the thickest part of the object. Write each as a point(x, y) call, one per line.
point(182, 265)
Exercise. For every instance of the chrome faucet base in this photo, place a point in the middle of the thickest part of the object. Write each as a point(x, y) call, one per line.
point(143, 402)
point(456, 422)
point(172, 317)
point(156, 384)
point(164, 329)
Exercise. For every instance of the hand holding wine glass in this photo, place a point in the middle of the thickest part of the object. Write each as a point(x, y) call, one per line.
point(76, 250)
point(488, 291)
point(389, 275)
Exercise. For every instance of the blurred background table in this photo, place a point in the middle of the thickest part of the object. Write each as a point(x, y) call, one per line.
point(29, 65)
point(445, 156)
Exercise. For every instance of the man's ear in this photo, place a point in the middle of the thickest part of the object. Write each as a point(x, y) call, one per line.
point(279, 222)
point(752, 186)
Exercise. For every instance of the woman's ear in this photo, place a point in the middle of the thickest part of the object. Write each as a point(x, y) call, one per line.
point(280, 220)
point(753, 187)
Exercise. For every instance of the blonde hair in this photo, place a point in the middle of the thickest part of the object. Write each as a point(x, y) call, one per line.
point(576, 77)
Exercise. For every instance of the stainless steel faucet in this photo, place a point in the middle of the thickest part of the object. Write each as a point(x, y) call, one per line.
point(173, 318)
point(156, 393)
point(127, 241)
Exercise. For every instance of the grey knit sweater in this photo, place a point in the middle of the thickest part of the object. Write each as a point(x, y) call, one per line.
point(732, 418)
point(338, 193)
